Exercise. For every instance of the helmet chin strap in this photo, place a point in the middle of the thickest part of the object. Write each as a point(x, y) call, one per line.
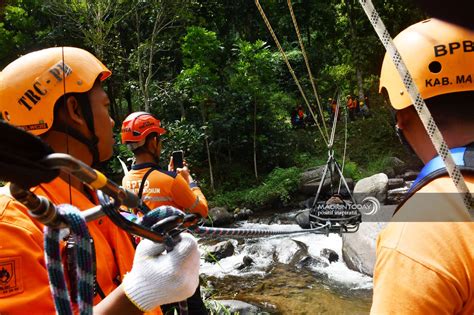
point(76, 134)
point(91, 144)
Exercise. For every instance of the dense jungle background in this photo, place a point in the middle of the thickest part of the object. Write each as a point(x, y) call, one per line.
point(212, 73)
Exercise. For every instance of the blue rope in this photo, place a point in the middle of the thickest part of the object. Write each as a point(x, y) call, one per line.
point(84, 268)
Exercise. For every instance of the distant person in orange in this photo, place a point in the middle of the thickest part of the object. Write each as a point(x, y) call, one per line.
point(300, 116)
point(142, 133)
point(425, 256)
point(351, 107)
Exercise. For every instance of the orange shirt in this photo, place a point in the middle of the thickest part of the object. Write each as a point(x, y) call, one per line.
point(427, 267)
point(163, 188)
point(24, 286)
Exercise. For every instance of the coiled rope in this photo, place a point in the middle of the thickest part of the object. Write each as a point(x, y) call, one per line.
point(420, 106)
point(85, 263)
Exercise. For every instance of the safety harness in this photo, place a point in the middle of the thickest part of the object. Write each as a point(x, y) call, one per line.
point(464, 159)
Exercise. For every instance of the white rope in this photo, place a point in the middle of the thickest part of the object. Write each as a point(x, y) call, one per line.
point(285, 58)
point(311, 78)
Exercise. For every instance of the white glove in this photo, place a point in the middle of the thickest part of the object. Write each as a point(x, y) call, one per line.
point(159, 278)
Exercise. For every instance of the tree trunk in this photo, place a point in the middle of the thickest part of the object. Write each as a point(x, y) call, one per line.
point(208, 150)
point(128, 98)
point(211, 174)
point(255, 139)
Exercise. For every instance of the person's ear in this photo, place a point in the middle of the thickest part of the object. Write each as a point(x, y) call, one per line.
point(74, 112)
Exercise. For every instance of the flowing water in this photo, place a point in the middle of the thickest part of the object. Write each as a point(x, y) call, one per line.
point(278, 283)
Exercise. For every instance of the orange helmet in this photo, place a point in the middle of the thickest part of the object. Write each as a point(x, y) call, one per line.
point(438, 55)
point(31, 85)
point(137, 126)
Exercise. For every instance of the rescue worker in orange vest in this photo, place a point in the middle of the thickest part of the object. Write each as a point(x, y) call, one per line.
point(142, 132)
point(57, 94)
point(351, 107)
point(425, 256)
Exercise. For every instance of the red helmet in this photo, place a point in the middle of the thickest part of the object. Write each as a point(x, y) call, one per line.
point(137, 126)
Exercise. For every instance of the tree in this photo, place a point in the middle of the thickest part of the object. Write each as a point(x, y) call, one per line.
point(199, 78)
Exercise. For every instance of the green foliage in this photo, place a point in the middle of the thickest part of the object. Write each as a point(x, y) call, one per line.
point(275, 189)
point(182, 135)
point(211, 72)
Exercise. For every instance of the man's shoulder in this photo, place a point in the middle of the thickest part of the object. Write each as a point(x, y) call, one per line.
point(14, 215)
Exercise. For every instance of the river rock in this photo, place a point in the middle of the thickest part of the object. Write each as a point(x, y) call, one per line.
point(397, 195)
point(329, 254)
point(395, 183)
point(311, 261)
point(358, 249)
point(246, 262)
point(242, 214)
point(374, 186)
point(287, 250)
point(397, 165)
point(410, 175)
point(219, 251)
point(237, 307)
point(219, 216)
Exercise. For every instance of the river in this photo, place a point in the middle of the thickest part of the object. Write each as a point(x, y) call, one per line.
point(279, 283)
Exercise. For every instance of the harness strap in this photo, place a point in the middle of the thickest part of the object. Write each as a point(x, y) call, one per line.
point(142, 184)
point(462, 156)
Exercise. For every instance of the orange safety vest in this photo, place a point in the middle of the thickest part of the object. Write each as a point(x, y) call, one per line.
point(24, 287)
point(427, 267)
point(163, 188)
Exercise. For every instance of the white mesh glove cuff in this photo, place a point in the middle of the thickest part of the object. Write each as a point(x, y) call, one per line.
point(161, 278)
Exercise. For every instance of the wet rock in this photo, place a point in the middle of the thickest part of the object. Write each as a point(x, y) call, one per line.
point(236, 307)
point(242, 214)
point(358, 249)
point(397, 165)
point(302, 218)
point(395, 183)
point(310, 188)
point(374, 186)
point(287, 250)
point(219, 251)
point(410, 175)
point(219, 216)
point(311, 261)
point(260, 250)
point(395, 196)
point(329, 254)
point(247, 261)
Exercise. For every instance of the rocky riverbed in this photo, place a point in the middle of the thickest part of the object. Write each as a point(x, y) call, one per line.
point(298, 274)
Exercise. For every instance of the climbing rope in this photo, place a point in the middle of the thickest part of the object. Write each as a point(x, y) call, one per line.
point(311, 78)
point(239, 232)
point(285, 58)
point(344, 152)
point(154, 216)
point(84, 263)
point(420, 106)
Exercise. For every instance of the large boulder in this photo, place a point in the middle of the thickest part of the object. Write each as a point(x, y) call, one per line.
point(219, 251)
point(373, 186)
point(397, 165)
point(358, 249)
point(219, 216)
point(311, 180)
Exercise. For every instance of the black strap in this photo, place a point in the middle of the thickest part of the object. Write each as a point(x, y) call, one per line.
point(142, 183)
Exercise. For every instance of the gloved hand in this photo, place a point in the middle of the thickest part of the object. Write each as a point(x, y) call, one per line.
point(159, 278)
